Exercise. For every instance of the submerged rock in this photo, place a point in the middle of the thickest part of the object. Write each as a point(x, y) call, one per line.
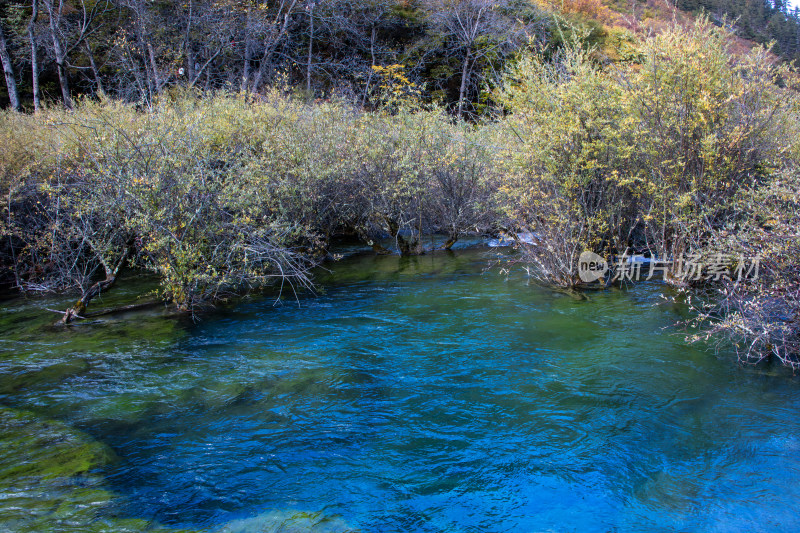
point(287, 521)
point(37, 450)
point(48, 474)
point(49, 479)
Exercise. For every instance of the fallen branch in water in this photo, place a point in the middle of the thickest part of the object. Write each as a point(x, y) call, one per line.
point(111, 277)
point(109, 311)
point(61, 313)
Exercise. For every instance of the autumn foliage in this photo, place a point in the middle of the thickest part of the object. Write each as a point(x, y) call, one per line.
point(683, 149)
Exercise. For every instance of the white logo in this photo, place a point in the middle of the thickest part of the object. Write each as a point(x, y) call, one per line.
point(591, 267)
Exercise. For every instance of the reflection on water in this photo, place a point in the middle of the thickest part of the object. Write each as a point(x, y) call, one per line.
point(417, 394)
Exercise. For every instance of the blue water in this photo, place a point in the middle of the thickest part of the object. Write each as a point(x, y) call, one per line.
point(429, 395)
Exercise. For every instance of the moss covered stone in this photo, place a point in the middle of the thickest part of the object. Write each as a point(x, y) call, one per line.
point(50, 481)
point(288, 521)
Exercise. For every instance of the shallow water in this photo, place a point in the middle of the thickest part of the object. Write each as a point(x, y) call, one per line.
point(422, 394)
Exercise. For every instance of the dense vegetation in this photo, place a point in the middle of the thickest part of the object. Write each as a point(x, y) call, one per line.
point(218, 193)
point(55, 50)
point(758, 20)
point(137, 49)
point(217, 164)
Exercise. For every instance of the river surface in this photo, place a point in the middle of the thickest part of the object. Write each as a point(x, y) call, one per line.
point(426, 394)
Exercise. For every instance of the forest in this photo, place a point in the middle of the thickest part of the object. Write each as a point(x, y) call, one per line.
point(225, 145)
point(134, 50)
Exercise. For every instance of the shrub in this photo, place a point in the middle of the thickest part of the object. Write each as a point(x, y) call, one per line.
point(648, 156)
point(218, 194)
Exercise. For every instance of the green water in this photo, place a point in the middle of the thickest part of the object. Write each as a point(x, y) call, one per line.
point(411, 394)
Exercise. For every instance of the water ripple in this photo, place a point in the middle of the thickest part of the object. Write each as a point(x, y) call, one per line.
point(424, 396)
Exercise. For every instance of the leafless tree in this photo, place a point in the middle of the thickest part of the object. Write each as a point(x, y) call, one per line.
point(69, 27)
point(475, 30)
point(8, 70)
point(264, 33)
point(37, 103)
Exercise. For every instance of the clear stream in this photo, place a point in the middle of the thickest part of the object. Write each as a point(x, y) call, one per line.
point(424, 394)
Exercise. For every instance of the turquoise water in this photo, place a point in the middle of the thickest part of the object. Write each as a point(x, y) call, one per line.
point(424, 394)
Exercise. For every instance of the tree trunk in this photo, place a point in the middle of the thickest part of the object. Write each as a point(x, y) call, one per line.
point(463, 89)
point(156, 78)
point(248, 54)
point(451, 240)
point(187, 45)
point(37, 100)
point(376, 247)
point(407, 247)
point(95, 70)
point(204, 68)
point(373, 36)
point(310, 50)
point(63, 81)
point(8, 69)
point(191, 75)
point(271, 43)
point(111, 276)
point(61, 60)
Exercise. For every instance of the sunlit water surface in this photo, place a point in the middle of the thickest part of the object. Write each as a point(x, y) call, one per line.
point(422, 394)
